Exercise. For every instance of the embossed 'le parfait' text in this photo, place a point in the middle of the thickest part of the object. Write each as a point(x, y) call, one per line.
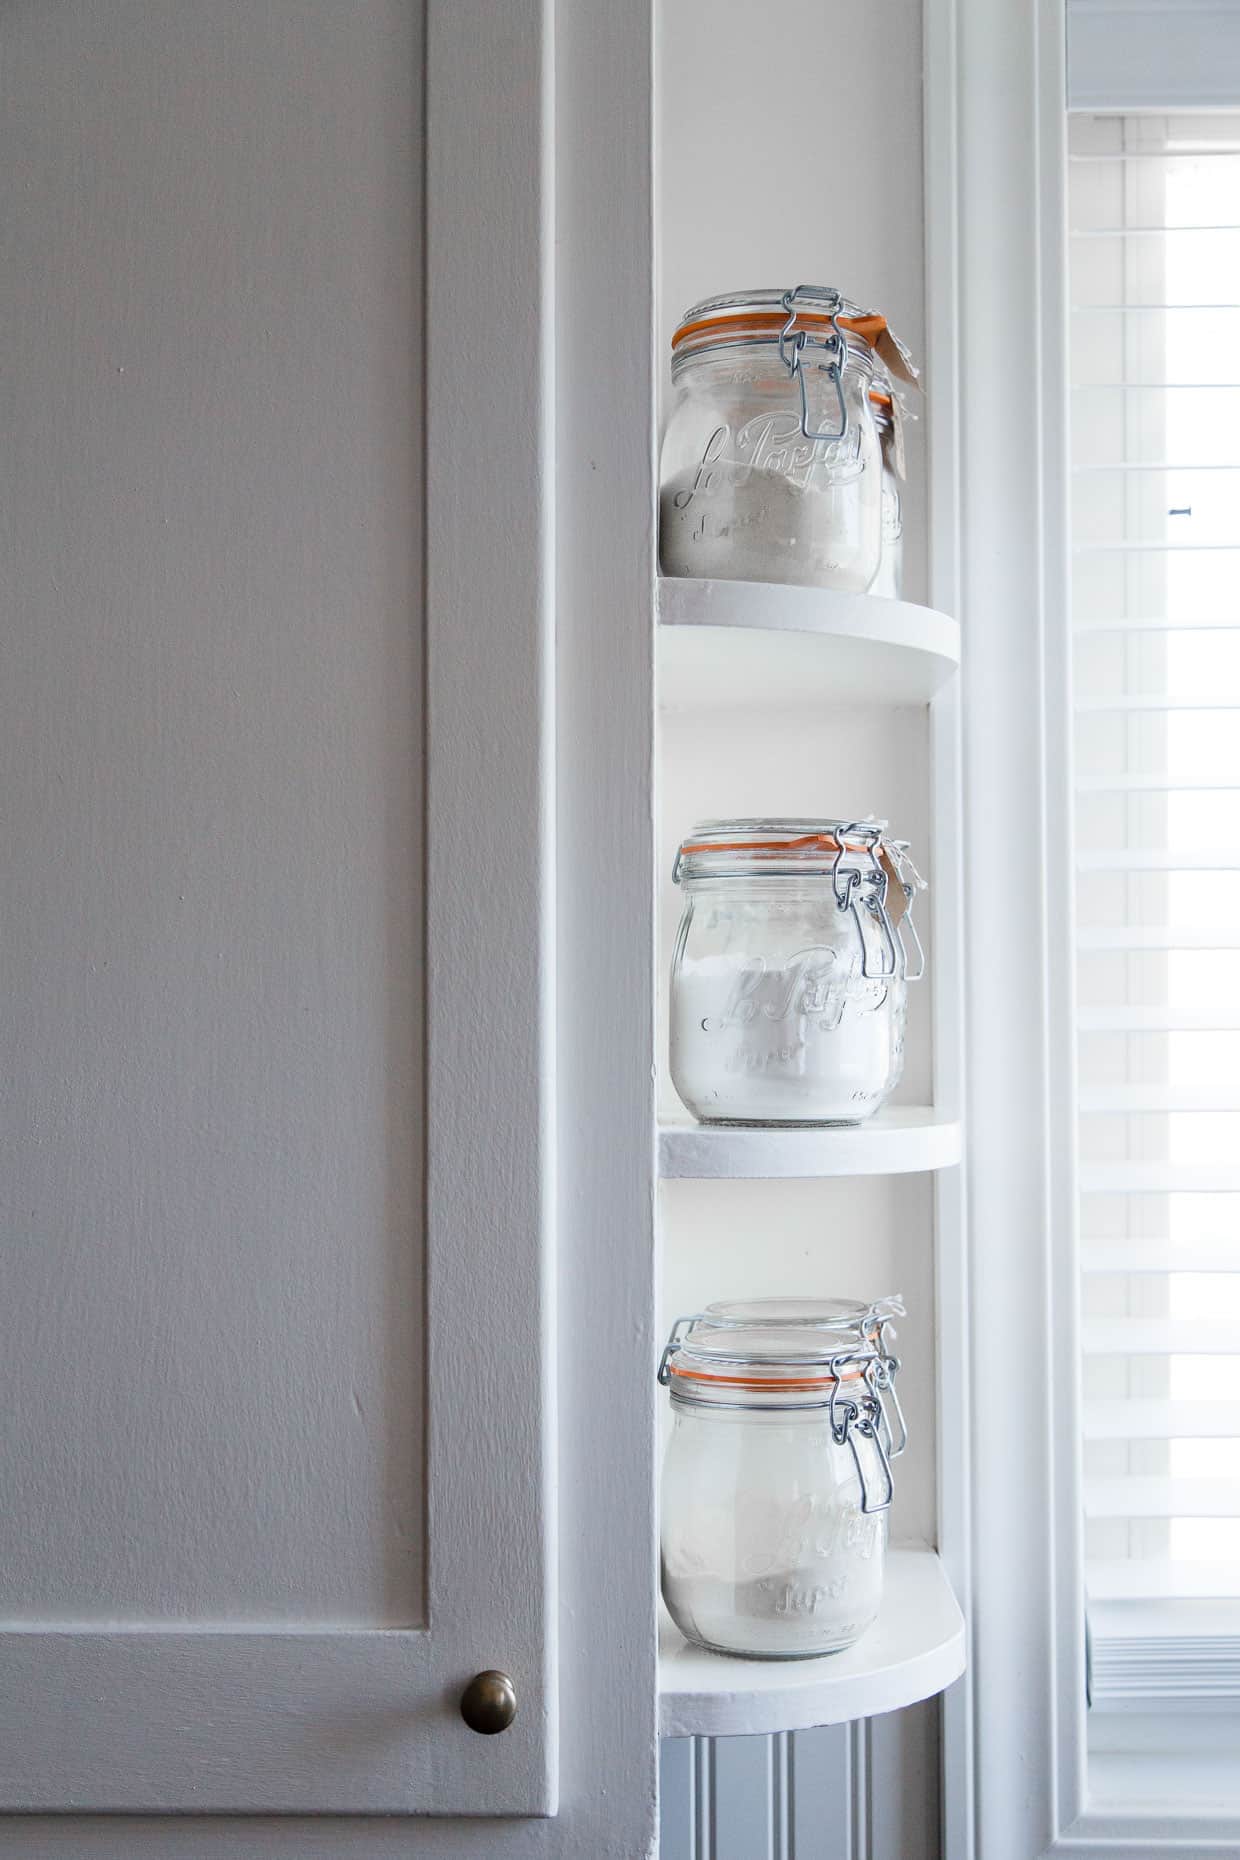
point(773, 443)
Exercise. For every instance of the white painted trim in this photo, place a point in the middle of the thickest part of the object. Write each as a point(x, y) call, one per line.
point(1027, 1589)
point(1153, 1837)
point(1027, 1559)
point(940, 39)
point(606, 551)
point(1030, 1739)
point(1062, 1417)
point(899, 1140)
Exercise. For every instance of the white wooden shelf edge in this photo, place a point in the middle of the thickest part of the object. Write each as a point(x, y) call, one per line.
point(754, 642)
point(897, 1141)
point(915, 1649)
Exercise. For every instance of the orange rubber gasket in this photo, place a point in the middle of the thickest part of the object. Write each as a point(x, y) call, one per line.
point(821, 841)
point(869, 328)
point(765, 1382)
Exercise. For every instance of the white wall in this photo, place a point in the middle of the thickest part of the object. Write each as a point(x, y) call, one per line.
point(791, 152)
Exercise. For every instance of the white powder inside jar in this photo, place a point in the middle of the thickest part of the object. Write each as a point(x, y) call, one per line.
point(820, 1601)
point(757, 526)
point(794, 1050)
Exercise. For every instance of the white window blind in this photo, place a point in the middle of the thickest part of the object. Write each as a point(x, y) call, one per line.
point(1154, 257)
point(1153, 54)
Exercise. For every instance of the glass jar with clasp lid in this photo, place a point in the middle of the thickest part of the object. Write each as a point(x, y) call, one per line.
point(790, 971)
point(771, 467)
point(777, 1477)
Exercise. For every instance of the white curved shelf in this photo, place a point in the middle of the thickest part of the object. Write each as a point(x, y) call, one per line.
point(915, 1649)
point(724, 643)
point(896, 1141)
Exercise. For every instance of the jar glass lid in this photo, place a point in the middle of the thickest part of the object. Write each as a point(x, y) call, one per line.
point(779, 1342)
point(837, 1316)
point(868, 874)
point(811, 310)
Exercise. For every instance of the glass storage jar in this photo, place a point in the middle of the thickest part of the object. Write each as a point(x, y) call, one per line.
point(889, 580)
point(771, 466)
point(777, 1476)
point(790, 971)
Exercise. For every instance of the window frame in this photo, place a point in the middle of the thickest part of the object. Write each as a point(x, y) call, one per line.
point(999, 490)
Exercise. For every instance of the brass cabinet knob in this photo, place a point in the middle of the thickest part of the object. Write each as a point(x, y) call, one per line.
point(489, 1703)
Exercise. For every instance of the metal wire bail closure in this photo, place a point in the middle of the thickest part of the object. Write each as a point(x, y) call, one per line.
point(793, 343)
point(847, 885)
point(675, 1338)
point(850, 1418)
point(881, 1377)
point(882, 1372)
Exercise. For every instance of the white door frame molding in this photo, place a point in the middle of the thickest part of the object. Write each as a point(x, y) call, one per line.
point(999, 203)
point(952, 1243)
point(953, 1317)
point(1003, 209)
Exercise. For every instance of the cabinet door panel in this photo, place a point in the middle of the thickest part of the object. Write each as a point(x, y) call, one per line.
point(275, 1475)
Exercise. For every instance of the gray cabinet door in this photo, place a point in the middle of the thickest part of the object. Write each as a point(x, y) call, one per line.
point(276, 1470)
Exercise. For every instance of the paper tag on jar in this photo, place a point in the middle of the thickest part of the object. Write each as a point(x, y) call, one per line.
point(895, 356)
point(897, 901)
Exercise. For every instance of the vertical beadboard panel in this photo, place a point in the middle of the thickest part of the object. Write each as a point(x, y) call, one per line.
point(827, 1810)
point(860, 1790)
point(904, 1790)
point(677, 1800)
point(802, 1795)
point(782, 1787)
point(741, 1800)
point(703, 1798)
point(864, 1791)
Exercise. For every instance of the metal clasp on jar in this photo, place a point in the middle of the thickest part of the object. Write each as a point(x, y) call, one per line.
point(883, 1367)
point(676, 1336)
point(847, 886)
point(793, 343)
point(852, 1419)
point(881, 1376)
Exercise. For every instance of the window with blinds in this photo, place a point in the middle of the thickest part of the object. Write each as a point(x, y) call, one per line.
point(1154, 257)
